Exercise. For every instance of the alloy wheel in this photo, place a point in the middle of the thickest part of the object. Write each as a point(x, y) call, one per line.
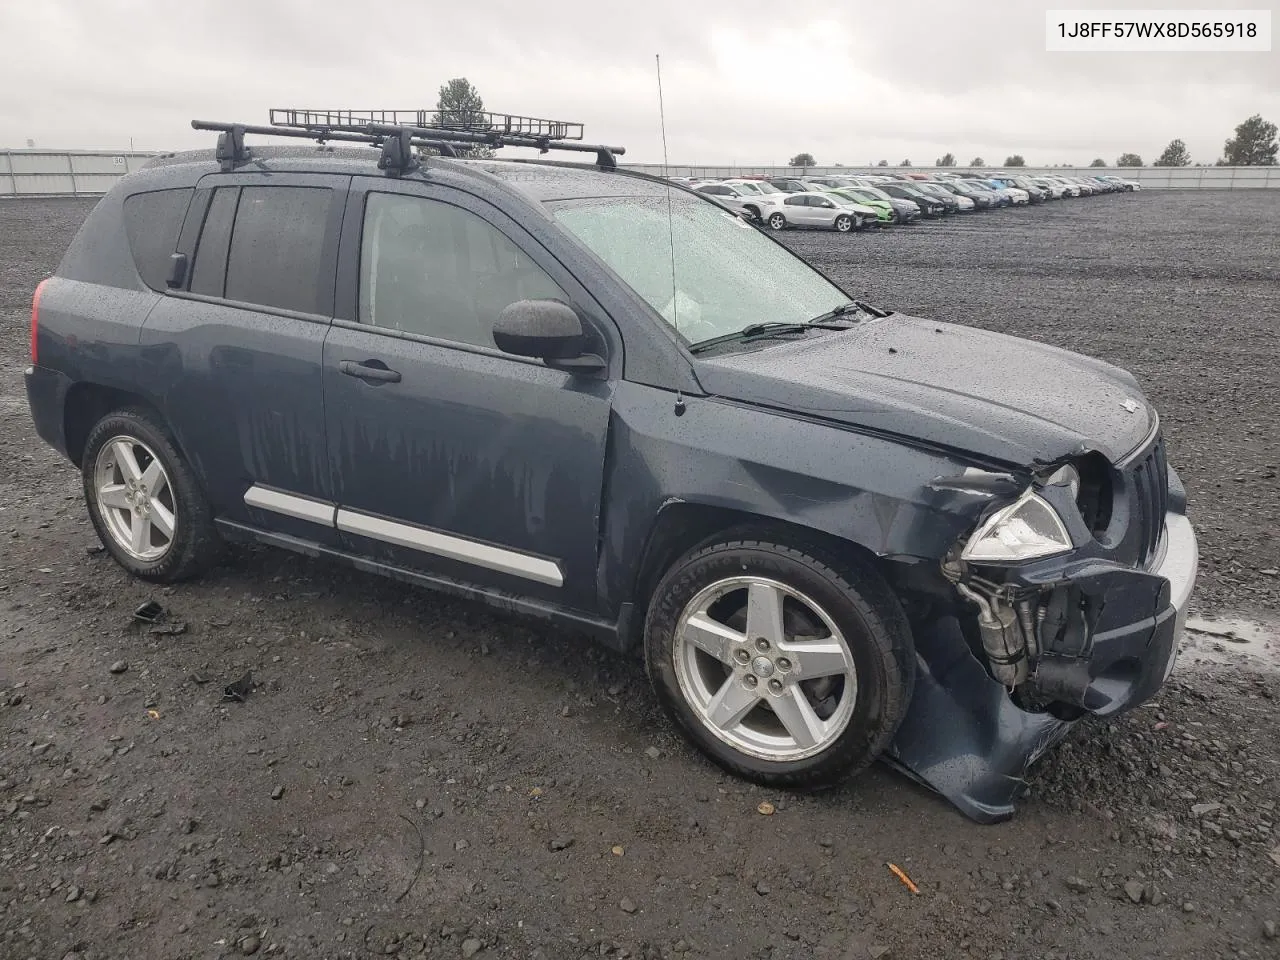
point(765, 668)
point(135, 498)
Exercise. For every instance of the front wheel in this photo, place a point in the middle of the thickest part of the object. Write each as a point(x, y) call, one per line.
point(777, 221)
point(784, 665)
point(844, 223)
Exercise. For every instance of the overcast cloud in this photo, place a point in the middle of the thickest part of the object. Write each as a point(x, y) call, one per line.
point(745, 81)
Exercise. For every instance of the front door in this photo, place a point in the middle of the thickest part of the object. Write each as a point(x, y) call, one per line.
point(449, 456)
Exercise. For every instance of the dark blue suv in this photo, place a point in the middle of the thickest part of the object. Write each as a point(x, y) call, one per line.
point(836, 532)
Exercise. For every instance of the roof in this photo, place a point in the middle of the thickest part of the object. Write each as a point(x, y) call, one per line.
point(538, 180)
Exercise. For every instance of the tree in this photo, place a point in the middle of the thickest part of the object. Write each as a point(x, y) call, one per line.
point(883, 163)
point(1175, 155)
point(905, 163)
point(977, 162)
point(1254, 144)
point(1099, 162)
point(946, 160)
point(1015, 161)
point(459, 106)
point(802, 160)
point(1129, 160)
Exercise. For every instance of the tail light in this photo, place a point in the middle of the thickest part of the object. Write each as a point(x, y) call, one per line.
point(35, 319)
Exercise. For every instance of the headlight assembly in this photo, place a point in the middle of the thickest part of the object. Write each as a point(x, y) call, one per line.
point(1027, 529)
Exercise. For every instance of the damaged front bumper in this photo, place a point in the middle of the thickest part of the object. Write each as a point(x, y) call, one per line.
point(966, 737)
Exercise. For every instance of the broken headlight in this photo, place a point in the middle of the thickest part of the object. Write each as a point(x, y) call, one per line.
point(1026, 529)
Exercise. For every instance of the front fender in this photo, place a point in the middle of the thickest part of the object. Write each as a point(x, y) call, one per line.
point(880, 493)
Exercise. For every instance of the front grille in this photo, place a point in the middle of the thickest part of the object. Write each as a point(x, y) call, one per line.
point(1149, 484)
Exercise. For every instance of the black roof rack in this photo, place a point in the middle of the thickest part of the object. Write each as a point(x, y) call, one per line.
point(504, 124)
point(396, 141)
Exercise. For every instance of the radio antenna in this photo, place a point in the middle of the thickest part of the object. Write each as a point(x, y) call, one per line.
point(666, 173)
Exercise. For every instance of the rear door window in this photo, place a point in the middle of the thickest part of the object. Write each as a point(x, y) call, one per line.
point(276, 257)
point(209, 274)
point(152, 222)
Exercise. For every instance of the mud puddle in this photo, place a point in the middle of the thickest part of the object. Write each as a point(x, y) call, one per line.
point(1233, 641)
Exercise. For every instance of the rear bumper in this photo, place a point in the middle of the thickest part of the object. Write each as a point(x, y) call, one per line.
point(46, 397)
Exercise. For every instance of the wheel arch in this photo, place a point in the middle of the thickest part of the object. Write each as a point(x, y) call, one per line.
point(87, 403)
point(681, 526)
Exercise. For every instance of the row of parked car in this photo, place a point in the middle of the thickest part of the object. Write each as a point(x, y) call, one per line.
point(848, 203)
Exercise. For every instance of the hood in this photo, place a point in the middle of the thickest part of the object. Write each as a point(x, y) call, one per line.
point(907, 206)
point(996, 396)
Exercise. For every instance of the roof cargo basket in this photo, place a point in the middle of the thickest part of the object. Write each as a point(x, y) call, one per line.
point(503, 124)
point(395, 139)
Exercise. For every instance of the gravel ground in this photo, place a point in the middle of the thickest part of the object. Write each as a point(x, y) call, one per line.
point(412, 776)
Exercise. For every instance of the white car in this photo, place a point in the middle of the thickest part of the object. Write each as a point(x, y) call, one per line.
point(806, 209)
point(1018, 196)
point(756, 206)
point(1072, 189)
point(1056, 190)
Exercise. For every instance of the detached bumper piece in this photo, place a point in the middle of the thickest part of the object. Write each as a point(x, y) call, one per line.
point(1105, 641)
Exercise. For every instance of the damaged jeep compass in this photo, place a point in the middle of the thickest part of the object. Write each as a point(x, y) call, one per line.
point(836, 533)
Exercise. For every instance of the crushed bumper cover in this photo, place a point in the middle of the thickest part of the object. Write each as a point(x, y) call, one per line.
point(963, 735)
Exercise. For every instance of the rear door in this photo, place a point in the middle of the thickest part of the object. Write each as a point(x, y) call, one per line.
point(450, 457)
point(797, 209)
point(236, 350)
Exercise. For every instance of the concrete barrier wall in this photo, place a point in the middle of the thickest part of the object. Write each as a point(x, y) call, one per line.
point(64, 173)
point(72, 173)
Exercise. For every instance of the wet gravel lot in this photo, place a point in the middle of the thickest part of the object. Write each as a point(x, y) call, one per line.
point(416, 777)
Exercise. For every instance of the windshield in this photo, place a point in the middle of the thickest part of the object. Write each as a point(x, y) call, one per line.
point(745, 187)
point(727, 273)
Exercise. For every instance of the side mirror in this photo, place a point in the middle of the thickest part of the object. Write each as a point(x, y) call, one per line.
point(549, 330)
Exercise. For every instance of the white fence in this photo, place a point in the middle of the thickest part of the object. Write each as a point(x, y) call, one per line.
point(64, 173)
point(1176, 178)
point(73, 173)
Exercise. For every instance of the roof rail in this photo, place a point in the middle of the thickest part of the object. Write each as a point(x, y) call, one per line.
point(395, 141)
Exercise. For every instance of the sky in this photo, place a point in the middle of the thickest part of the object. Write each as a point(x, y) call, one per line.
point(746, 82)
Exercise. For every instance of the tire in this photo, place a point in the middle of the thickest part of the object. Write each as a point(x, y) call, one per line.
point(164, 493)
point(777, 221)
point(858, 623)
point(752, 212)
point(844, 223)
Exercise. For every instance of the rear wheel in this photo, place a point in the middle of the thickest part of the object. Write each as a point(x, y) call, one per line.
point(144, 501)
point(783, 665)
point(777, 221)
point(844, 223)
point(752, 212)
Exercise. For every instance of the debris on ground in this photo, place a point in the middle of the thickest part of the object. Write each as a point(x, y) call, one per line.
point(238, 689)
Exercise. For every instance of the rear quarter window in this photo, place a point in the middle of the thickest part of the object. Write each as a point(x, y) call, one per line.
point(152, 222)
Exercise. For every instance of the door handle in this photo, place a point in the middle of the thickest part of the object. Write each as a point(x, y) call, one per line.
point(368, 372)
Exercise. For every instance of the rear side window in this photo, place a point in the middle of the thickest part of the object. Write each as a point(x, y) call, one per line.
point(277, 248)
point(152, 222)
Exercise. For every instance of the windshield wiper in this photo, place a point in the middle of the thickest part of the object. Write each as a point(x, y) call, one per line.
point(831, 320)
point(853, 306)
point(754, 331)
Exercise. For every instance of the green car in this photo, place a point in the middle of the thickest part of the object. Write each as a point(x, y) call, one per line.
point(884, 212)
